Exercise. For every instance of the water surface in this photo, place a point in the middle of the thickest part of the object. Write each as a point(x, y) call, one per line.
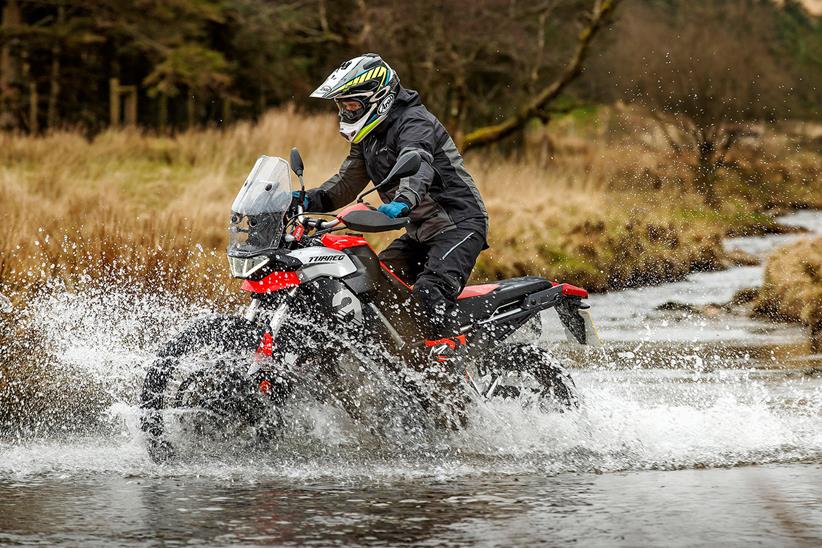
point(693, 430)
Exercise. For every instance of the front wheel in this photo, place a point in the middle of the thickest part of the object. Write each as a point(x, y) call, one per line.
point(186, 382)
point(528, 373)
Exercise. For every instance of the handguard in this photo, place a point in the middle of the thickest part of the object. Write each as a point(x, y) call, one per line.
point(367, 219)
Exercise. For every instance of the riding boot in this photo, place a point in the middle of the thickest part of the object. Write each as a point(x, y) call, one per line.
point(445, 351)
point(443, 372)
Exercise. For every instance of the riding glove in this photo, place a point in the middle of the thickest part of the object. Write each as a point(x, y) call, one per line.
point(394, 209)
point(295, 195)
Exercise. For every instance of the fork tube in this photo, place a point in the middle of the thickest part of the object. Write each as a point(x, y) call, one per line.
point(252, 310)
point(492, 386)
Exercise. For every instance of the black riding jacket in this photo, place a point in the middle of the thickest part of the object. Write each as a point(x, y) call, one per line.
point(441, 195)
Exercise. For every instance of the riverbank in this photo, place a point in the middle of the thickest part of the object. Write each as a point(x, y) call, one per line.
point(792, 290)
point(605, 211)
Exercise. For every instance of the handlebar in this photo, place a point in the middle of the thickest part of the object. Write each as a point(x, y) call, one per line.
point(360, 217)
point(323, 225)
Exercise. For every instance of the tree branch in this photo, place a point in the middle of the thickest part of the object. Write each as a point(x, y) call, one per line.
point(362, 39)
point(663, 125)
point(490, 134)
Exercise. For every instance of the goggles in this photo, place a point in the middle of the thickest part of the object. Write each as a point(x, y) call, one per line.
point(347, 113)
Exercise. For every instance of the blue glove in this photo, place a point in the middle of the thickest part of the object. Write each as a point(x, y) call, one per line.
point(394, 209)
point(295, 195)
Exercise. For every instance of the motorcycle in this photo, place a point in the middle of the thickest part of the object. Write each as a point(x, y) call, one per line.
point(320, 296)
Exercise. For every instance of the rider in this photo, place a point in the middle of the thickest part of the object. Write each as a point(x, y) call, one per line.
point(448, 221)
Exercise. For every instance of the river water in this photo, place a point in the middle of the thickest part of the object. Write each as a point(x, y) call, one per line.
point(694, 429)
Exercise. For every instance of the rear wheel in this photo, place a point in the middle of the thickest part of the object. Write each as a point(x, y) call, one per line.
point(528, 373)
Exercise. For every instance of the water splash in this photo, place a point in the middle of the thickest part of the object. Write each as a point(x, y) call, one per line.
point(5, 304)
point(691, 409)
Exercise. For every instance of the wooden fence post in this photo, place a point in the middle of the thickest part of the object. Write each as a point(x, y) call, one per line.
point(226, 112)
point(114, 102)
point(162, 115)
point(34, 126)
point(130, 99)
point(190, 109)
point(128, 96)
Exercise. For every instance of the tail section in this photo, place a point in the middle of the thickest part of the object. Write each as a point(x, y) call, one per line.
point(576, 318)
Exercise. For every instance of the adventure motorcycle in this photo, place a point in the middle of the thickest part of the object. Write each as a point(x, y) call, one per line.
point(317, 296)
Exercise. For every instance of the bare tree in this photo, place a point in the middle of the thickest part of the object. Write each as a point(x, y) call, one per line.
point(483, 136)
point(458, 63)
point(479, 61)
point(705, 72)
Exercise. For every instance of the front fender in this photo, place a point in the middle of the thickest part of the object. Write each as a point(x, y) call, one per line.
point(224, 333)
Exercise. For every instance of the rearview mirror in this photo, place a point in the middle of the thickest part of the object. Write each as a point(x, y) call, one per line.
point(296, 162)
point(407, 164)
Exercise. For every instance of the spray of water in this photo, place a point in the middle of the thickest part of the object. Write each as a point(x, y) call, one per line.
point(641, 411)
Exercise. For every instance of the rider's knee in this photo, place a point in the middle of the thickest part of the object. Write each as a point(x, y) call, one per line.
point(432, 288)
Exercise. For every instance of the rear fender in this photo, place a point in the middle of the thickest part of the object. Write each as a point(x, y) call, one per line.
point(572, 311)
point(576, 318)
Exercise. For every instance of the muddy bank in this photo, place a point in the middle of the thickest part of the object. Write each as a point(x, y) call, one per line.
point(712, 306)
point(641, 252)
point(792, 290)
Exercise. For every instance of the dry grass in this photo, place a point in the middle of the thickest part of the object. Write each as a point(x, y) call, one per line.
point(793, 287)
point(605, 211)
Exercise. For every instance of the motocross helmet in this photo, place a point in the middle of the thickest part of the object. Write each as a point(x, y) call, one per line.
point(367, 80)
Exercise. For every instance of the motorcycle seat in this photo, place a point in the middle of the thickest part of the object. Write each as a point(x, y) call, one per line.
point(477, 290)
point(481, 300)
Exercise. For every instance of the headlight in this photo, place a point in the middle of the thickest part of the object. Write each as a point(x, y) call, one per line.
point(243, 267)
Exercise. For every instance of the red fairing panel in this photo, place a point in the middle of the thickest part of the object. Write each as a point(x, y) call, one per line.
point(271, 283)
point(477, 290)
point(574, 291)
point(342, 241)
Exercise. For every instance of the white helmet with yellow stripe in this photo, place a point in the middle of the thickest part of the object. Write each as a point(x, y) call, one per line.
point(367, 82)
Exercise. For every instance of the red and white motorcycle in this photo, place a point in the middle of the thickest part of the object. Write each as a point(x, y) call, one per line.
point(320, 294)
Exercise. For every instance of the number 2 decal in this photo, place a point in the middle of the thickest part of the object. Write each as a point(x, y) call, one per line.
point(346, 303)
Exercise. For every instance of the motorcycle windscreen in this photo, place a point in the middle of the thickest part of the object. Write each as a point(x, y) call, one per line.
point(259, 209)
